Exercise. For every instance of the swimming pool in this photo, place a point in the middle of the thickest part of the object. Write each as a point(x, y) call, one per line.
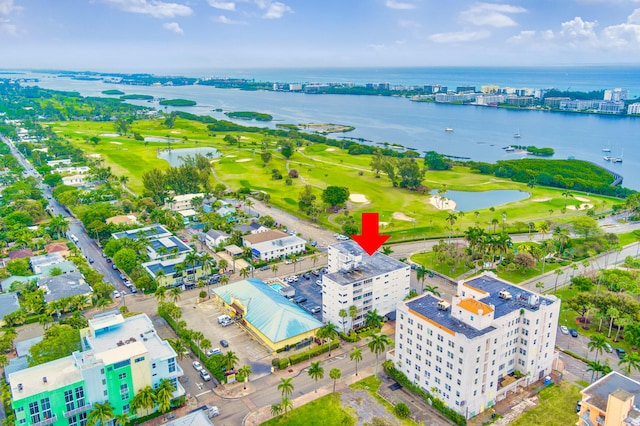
point(276, 286)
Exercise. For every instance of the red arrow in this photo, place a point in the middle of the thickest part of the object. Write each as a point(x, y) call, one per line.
point(370, 240)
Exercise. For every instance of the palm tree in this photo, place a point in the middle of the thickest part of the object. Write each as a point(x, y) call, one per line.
point(191, 260)
point(222, 264)
point(353, 313)
point(121, 419)
point(631, 362)
point(378, 344)
point(316, 372)
point(160, 294)
point(59, 225)
point(274, 269)
point(230, 360)
point(179, 346)
point(197, 337)
point(328, 331)
point(175, 294)
point(558, 272)
point(596, 368)
point(287, 405)
point(373, 319)
point(224, 280)
point(613, 314)
point(335, 374)
point(286, 386)
point(314, 258)
point(343, 314)
point(100, 414)
point(245, 371)
point(451, 220)
point(356, 355)
point(145, 399)
point(433, 289)
point(566, 195)
point(276, 409)
point(244, 273)
point(164, 395)
point(205, 345)
point(387, 250)
point(421, 273)
point(597, 344)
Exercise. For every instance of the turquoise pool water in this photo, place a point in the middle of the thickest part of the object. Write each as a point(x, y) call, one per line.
point(276, 286)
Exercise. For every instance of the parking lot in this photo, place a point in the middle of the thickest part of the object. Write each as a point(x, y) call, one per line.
point(308, 286)
point(203, 317)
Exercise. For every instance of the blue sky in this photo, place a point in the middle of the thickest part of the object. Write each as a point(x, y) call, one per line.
point(156, 35)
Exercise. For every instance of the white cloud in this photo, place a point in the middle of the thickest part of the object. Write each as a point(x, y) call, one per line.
point(276, 10)
point(493, 15)
point(393, 4)
point(578, 30)
point(6, 7)
point(223, 5)
point(377, 46)
point(634, 18)
point(6, 27)
point(459, 37)
point(224, 20)
point(408, 24)
point(173, 27)
point(155, 8)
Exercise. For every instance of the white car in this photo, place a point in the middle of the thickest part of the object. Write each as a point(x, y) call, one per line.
point(288, 262)
point(197, 366)
point(116, 294)
point(564, 329)
point(205, 376)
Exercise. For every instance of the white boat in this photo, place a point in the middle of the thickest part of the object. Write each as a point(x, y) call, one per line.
point(448, 129)
point(517, 134)
point(606, 150)
point(607, 158)
point(617, 160)
point(509, 149)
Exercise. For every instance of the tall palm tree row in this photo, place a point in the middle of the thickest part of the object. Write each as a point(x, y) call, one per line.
point(316, 372)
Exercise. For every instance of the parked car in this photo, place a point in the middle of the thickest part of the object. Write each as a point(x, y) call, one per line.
point(91, 260)
point(116, 294)
point(621, 353)
point(299, 299)
point(224, 343)
point(205, 376)
point(608, 348)
point(573, 332)
point(578, 406)
point(123, 277)
point(197, 366)
point(213, 351)
point(226, 323)
point(288, 262)
point(564, 329)
point(265, 268)
point(109, 260)
point(316, 273)
point(315, 309)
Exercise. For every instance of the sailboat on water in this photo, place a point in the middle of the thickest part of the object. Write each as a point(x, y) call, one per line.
point(517, 134)
point(617, 159)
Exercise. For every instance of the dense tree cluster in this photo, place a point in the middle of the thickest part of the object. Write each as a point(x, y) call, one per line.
point(190, 177)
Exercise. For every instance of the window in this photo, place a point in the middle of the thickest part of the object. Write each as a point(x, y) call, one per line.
point(83, 418)
point(34, 412)
point(124, 388)
point(139, 359)
point(79, 397)
point(126, 408)
point(45, 406)
point(440, 338)
point(73, 421)
point(172, 365)
point(122, 376)
point(68, 399)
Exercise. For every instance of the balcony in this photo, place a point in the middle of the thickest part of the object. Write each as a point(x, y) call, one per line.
point(51, 420)
point(586, 420)
point(78, 410)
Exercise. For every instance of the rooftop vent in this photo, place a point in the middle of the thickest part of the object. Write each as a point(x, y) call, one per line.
point(44, 379)
point(20, 387)
point(443, 306)
point(504, 294)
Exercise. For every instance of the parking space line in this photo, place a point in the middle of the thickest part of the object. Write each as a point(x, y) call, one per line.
point(203, 393)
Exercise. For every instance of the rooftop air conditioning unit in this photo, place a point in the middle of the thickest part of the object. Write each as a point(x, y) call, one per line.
point(443, 306)
point(504, 294)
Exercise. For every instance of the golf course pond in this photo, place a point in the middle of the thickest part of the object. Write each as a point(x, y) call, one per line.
point(469, 201)
point(175, 156)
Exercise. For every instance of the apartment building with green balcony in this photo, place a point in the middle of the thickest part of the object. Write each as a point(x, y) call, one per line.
point(119, 357)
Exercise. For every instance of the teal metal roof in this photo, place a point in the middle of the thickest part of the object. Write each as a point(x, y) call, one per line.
point(275, 316)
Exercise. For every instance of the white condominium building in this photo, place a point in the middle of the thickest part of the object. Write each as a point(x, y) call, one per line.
point(368, 282)
point(471, 352)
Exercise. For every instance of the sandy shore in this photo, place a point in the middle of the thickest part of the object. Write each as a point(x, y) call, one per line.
point(402, 216)
point(358, 198)
point(442, 203)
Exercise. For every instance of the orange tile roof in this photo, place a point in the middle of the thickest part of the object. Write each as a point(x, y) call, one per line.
point(475, 306)
point(475, 289)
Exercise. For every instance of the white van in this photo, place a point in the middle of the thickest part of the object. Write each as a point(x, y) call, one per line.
point(73, 238)
point(223, 318)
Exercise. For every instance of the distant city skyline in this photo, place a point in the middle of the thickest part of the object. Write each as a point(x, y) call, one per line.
point(173, 35)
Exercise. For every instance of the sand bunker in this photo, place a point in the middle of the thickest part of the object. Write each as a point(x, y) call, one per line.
point(358, 198)
point(109, 135)
point(541, 199)
point(243, 160)
point(231, 156)
point(330, 149)
point(176, 132)
point(402, 216)
point(384, 224)
point(116, 143)
point(442, 203)
point(584, 206)
point(584, 200)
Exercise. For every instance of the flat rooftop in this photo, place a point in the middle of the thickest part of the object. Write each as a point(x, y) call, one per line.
point(520, 297)
point(369, 267)
point(58, 373)
point(150, 232)
point(598, 393)
point(427, 306)
point(108, 333)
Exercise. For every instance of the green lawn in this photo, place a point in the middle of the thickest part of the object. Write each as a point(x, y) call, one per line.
point(325, 411)
point(404, 214)
point(557, 406)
